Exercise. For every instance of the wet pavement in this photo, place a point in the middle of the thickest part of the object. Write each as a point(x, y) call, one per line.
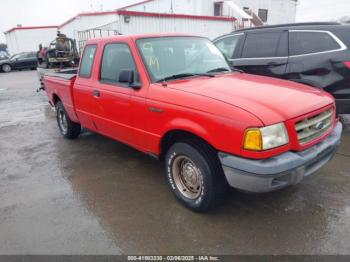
point(97, 196)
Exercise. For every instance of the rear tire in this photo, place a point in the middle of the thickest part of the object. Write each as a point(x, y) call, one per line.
point(6, 68)
point(195, 175)
point(68, 128)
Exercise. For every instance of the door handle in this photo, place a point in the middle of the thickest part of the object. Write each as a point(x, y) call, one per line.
point(96, 93)
point(276, 63)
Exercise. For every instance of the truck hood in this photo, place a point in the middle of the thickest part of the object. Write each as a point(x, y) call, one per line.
point(271, 100)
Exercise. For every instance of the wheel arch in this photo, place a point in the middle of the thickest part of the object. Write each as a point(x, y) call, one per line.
point(175, 135)
point(55, 99)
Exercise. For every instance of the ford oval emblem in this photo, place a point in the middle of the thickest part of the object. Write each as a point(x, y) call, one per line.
point(319, 126)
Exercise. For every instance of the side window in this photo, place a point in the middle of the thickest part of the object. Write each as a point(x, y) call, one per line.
point(116, 57)
point(301, 43)
point(87, 61)
point(30, 55)
point(228, 45)
point(262, 45)
point(21, 56)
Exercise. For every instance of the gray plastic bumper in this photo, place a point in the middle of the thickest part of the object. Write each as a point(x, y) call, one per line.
point(280, 171)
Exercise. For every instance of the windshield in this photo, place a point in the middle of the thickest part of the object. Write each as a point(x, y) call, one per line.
point(167, 57)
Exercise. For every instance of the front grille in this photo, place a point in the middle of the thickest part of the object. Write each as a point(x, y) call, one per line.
point(314, 127)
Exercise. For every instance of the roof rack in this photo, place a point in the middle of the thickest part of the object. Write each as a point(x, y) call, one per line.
point(288, 25)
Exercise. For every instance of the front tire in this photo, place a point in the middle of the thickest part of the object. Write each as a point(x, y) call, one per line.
point(68, 128)
point(195, 175)
point(6, 68)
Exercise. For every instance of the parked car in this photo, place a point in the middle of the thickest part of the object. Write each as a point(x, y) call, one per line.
point(26, 60)
point(315, 54)
point(176, 98)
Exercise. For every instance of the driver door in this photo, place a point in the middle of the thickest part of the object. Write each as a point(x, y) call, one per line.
point(112, 99)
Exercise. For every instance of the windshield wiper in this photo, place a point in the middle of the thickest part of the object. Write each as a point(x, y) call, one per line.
point(183, 75)
point(237, 70)
point(224, 69)
point(219, 69)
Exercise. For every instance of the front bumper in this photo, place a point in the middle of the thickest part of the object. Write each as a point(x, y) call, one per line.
point(290, 168)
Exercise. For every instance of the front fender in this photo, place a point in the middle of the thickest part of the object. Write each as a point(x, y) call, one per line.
point(188, 126)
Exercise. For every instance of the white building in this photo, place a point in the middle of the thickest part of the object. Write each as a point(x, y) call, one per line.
point(269, 11)
point(93, 25)
point(210, 18)
point(27, 39)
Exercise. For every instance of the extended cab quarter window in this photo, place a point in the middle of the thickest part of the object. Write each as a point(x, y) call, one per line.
point(228, 45)
point(267, 44)
point(301, 43)
point(116, 57)
point(87, 61)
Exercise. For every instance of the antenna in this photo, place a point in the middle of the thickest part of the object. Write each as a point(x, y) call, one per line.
point(171, 7)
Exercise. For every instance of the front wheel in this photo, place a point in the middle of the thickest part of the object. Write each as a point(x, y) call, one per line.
point(195, 175)
point(6, 68)
point(68, 128)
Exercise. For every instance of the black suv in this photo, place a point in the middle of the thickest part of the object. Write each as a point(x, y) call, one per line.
point(315, 54)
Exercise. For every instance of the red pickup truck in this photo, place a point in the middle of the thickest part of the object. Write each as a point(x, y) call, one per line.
point(176, 98)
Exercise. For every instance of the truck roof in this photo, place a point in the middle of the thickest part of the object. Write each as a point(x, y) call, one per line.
point(135, 37)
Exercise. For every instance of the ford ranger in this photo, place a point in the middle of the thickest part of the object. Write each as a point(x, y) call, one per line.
point(176, 98)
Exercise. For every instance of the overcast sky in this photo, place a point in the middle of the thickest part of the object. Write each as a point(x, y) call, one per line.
point(55, 12)
point(322, 10)
point(49, 12)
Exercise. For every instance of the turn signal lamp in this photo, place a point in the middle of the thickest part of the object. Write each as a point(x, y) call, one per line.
point(253, 140)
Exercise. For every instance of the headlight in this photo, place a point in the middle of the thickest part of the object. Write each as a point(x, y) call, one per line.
point(265, 138)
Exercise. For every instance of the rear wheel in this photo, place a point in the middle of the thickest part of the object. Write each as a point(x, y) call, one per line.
point(195, 175)
point(6, 68)
point(68, 128)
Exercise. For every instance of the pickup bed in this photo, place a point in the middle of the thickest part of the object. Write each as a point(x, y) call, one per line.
point(175, 97)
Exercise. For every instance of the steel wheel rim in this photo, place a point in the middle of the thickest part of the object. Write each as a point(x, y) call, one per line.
point(6, 68)
point(187, 177)
point(62, 120)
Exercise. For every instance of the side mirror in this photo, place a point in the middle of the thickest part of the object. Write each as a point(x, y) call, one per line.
point(127, 76)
